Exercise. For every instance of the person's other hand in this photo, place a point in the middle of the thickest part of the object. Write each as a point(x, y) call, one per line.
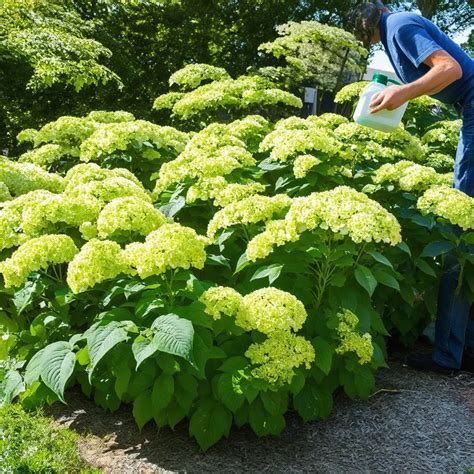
point(390, 98)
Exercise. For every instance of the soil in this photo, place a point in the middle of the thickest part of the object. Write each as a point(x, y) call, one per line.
point(414, 422)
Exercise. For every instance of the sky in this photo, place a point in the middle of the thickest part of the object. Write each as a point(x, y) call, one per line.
point(381, 62)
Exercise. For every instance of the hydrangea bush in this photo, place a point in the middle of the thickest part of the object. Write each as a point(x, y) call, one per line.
point(225, 275)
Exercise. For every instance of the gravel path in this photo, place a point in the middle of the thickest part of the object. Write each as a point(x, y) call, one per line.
point(414, 423)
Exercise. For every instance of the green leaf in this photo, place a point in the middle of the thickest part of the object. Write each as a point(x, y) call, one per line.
point(227, 393)
point(275, 403)
point(147, 304)
point(425, 267)
point(262, 422)
point(366, 279)
point(143, 348)
point(434, 249)
point(24, 297)
point(313, 402)
point(33, 369)
point(218, 260)
point(386, 279)
point(142, 409)
point(209, 423)
point(163, 390)
point(404, 248)
point(10, 387)
point(57, 366)
point(174, 335)
point(380, 258)
point(173, 207)
point(324, 352)
point(364, 382)
point(103, 338)
point(271, 271)
point(233, 364)
point(297, 383)
point(242, 263)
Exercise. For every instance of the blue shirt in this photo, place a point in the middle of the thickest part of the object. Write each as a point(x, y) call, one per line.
point(409, 39)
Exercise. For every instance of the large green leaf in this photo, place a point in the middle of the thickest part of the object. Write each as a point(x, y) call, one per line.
point(103, 338)
point(228, 393)
point(162, 393)
point(386, 278)
point(142, 409)
point(174, 335)
point(209, 423)
point(272, 272)
point(366, 279)
point(264, 423)
point(313, 402)
point(433, 249)
point(324, 352)
point(57, 366)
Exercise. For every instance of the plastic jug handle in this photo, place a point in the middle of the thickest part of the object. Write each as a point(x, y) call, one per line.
point(394, 82)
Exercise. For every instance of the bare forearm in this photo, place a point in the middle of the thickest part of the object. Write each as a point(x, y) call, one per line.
point(435, 80)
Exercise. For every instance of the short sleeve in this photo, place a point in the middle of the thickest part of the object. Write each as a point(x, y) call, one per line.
point(416, 43)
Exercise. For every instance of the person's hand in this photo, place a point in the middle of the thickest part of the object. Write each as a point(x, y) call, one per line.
point(390, 98)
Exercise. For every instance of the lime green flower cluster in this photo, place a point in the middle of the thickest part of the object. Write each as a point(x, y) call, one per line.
point(37, 254)
point(269, 310)
point(112, 137)
point(67, 131)
point(4, 193)
point(167, 101)
point(87, 172)
point(243, 92)
point(11, 218)
point(96, 262)
point(285, 143)
point(222, 192)
point(214, 151)
point(109, 189)
point(171, 246)
point(443, 136)
point(277, 357)
point(40, 217)
point(342, 210)
point(45, 156)
point(441, 162)
point(20, 178)
point(249, 210)
point(328, 120)
point(411, 176)
point(221, 300)
point(303, 164)
point(351, 340)
point(251, 130)
point(27, 135)
point(192, 75)
point(449, 203)
point(106, 116)
point(128, 214)
point(351, 92)
point(371, 145)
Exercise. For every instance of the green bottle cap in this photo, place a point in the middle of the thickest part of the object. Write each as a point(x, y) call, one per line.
point(380, 78)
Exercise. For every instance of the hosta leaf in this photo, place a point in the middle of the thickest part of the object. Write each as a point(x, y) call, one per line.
point(57, 366)
point(102, 338)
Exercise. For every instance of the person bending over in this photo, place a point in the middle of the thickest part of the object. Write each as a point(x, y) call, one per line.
point(429, 63)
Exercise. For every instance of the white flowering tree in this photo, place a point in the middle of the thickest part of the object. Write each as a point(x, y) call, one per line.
point(221, 275)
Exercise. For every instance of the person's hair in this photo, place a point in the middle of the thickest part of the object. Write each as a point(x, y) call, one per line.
point(364, 20)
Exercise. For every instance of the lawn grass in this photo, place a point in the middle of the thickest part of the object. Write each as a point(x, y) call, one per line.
point(31, 443)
